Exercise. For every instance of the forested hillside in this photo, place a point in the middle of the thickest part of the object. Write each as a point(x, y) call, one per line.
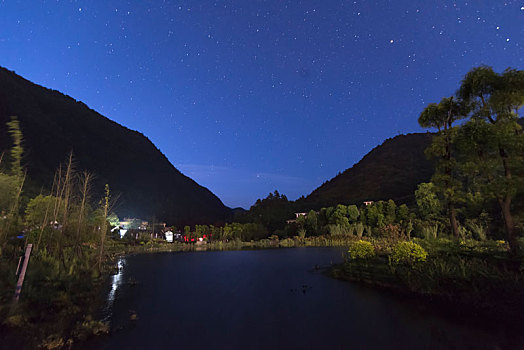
point(389, 171)
point(54, 124)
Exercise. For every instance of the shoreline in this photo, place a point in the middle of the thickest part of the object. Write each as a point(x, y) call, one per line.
point(450, 305)
point(442, 303)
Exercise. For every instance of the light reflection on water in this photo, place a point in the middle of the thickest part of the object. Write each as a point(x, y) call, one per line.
point(116, 281)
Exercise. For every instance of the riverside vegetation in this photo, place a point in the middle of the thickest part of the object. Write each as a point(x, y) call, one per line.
point(68, 233)
point(460, 242)
point(468, 248)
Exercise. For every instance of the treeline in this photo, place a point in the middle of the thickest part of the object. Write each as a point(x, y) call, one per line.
point(475, 191)
point(376, 219)
point(231, 231)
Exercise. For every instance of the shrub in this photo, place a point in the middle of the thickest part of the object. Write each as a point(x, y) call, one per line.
point(302, 233)
point(390, 231)
point(359, 229)
point(361, 250)
point(288, 242)
point(340, 230)
point(430, 232)
point(478, 229)
point(408, 253)
point(464, 233)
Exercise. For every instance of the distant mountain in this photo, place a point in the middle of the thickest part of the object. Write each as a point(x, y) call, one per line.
point(390, 171)
point(53, 124)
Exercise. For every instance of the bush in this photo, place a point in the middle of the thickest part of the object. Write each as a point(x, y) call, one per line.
point(288, 242)
point(391, 231)
point(479, 230)
point(430, 232)
point(408, 253)
point(359, 229)
point(361, 250)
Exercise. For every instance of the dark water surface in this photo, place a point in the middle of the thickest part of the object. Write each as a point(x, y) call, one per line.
point(269, 299)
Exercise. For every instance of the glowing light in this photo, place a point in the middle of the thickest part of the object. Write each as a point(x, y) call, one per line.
point(116, 280)
point(122, 233)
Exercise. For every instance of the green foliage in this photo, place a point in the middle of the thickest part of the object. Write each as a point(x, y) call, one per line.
point(144, 237)
point(113, 219)
point(361, 250)
point(427, 201)
point(408, 253)
point(302, 233)
point(38, 209)
point(8, 191)
point(390, 212)
point(17, 149)
point(253, 231)
point(375, 214)
point(479, 230)
point(464, 233)
point(271, 212)
point(492, 140)
point(352, 213)
point(408, 228)
point(430, 231)
point(472, 273)
point(90, 328)
point(402, 213)
point(339, 216)
point(340, 230)
point(312, 223)
point(391, 232)
point(359, 229)
point(445, 180)
point(288, 242)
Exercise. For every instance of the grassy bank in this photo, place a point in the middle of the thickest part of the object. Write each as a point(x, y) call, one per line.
point(480, 277)
point(57, 305)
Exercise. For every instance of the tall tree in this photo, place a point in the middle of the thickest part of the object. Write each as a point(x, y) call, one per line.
point(105, 204)
point(494, 135)
point(17, 150)
point(442, 116)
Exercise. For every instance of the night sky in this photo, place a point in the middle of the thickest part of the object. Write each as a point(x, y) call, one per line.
point(247, 96)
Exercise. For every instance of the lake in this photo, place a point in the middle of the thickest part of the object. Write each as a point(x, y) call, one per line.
point(273, 298)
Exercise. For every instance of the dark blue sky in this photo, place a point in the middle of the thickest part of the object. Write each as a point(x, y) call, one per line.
point(247, 97)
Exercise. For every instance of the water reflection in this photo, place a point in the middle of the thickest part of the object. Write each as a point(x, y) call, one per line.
point(116, 281)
